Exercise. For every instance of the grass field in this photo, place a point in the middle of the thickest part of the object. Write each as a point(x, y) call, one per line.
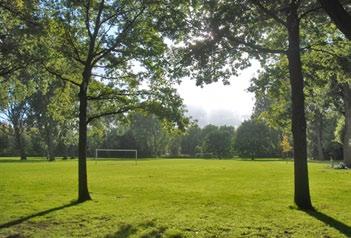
point(171, 198)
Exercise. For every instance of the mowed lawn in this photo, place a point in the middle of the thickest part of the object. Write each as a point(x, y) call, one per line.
point(171, 198)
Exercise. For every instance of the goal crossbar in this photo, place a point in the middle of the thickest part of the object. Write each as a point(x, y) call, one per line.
point(120, 150)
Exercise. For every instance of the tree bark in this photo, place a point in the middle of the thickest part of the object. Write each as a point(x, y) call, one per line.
point(302, 192)
point(83, 192)
point(347, 132)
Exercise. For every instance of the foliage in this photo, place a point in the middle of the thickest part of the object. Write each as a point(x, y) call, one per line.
point(17, 36)
point(255, 139)
point(219, 142)
point(191, 139)
point(339, 130)
point(125, 68)
point(285, 145)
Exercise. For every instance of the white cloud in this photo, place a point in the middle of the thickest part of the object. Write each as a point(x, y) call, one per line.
point(220, 104)
point(216, 117)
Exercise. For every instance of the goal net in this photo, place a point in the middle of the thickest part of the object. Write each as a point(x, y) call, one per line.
point(116, 154)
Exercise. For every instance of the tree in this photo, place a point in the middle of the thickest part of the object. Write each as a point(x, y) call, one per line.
point(41, 117)
point(285, 146)
point(5, 149)
point(16, 113)
point(345, 86)
point(174, 145)
point(342, 18)
point(191, 139)
point(17, 36)
point(224, 35)
point(255, 139)
point(219, 141)
point(328, 87)
point(110, 50)
point(325, 84)
point(14, 106)
point(150, 136)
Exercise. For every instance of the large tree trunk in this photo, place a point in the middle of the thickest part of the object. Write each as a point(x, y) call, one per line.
point(83, 192)
point(347, 132)
point(302, 192)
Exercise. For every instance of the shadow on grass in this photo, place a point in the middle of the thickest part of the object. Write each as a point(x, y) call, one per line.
point(38, 214)
point(265, 160)
point(22, 161)
point(124, 231)
point(146, 229)
point(330, 221)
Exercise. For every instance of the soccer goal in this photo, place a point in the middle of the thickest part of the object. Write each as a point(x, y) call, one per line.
point(116, 153)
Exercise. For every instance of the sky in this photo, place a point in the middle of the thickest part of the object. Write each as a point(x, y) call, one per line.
point(220, 104)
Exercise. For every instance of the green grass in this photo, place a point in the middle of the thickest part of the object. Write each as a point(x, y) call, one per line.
point(171, 198)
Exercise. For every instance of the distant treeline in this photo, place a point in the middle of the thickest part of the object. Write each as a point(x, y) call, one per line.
point(152, 138)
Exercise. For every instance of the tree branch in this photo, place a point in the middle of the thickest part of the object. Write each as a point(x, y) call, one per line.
point(87, 18)
point(75, 49)
point(324, 51)
point(91, 52)
point(98, 19)
point(51, 71)
point(113, 78)
point(340, 17)
point(18, 13)
point(259, 48)
point(268, 12)
point(121, 110)
point(118, 40)
point(116, 96)
point(304, 14)
point(8, 70)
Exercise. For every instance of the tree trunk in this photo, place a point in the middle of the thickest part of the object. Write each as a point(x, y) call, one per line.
point(317, 139)
point(20, 142)
point(302, 192)
point(320, 138)
point(49, 143)
point(83, 192)
point(347, 132)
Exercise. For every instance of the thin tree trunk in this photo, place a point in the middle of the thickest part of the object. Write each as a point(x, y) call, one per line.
point(320, 138)
point(347, 132)
point(83, 192)
point(49, 143)
point(317, 143)
point(302, 192)
point(20, 143)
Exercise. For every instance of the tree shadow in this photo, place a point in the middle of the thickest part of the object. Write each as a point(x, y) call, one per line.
point(21, 161)
point(38, 214)
point(330, 221)
point(146, 229)
point(265, 160)
point(124, 231)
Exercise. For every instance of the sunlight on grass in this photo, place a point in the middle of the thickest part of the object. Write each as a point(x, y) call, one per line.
point(171, 198)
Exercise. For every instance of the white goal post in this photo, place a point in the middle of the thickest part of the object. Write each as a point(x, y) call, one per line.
point(118, 150)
